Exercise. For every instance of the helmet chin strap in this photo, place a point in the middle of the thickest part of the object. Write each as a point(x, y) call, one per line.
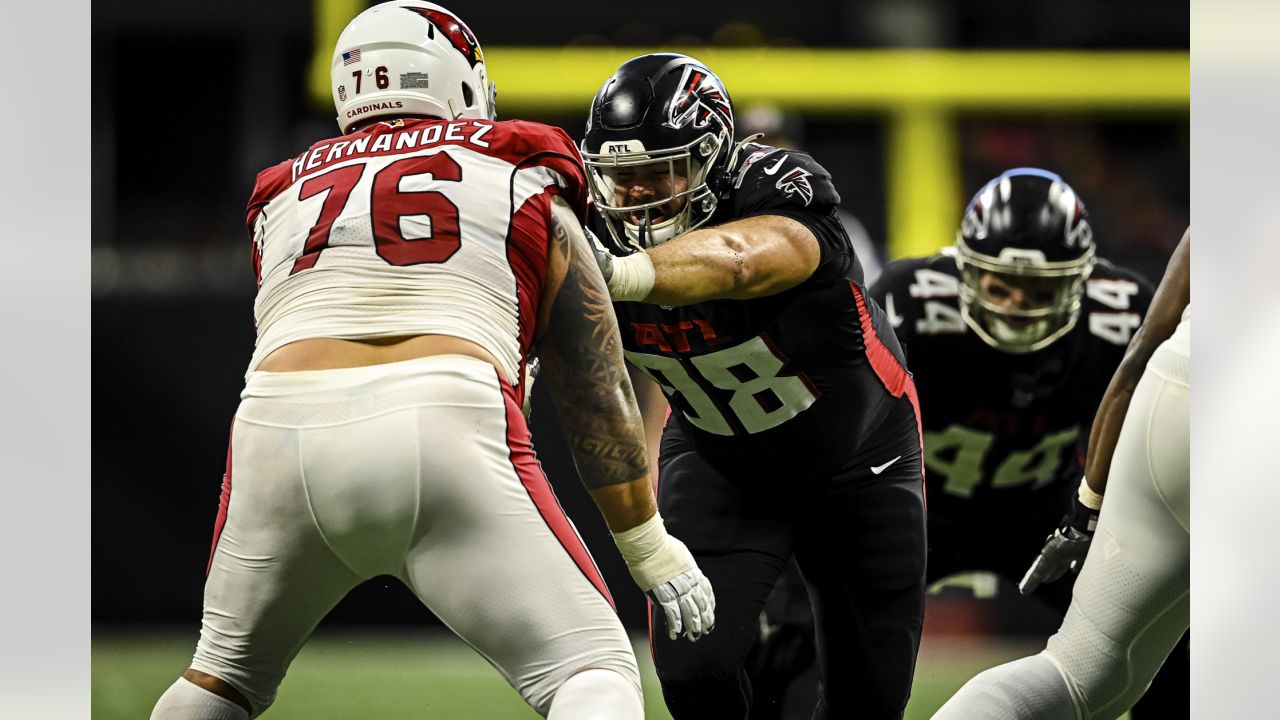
point(647, 236)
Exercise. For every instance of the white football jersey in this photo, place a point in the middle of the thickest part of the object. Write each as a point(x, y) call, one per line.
point(411, 227)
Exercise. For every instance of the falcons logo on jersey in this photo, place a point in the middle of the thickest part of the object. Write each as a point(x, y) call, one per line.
point(459, 35)
point(700, 100)
point(796, 182)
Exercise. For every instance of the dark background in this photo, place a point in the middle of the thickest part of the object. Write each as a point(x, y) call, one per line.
point(190, 100)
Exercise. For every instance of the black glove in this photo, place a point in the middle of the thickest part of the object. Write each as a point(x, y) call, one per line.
point(1065, 549)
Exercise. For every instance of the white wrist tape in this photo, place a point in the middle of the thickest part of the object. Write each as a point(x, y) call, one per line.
point(652, 556)
point(1088, 497)
point(632, 277)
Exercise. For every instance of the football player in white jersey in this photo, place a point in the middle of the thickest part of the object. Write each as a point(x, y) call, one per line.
point(406, 270)
point(1132, 600)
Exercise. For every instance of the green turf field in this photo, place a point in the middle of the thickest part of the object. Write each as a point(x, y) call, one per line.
point(421, 674)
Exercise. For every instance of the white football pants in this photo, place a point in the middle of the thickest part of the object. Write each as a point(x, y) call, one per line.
point(422, 470)
point(1131, 603)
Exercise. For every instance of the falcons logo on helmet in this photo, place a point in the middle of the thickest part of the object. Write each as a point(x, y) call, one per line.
point(1077, 231)
point(796, 182)
point(459, 35)
point(976, 222)
point(701, 100)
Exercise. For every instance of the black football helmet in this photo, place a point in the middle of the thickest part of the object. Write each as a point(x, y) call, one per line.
point(1026, 227)
point(659, 108)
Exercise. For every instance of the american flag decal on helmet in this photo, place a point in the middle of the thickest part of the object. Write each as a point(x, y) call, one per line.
point(351, 57)
point(459, 35)
point(701, 100)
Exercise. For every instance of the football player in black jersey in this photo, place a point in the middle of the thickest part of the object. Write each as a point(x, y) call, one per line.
point(1132, 600)
point(1013, 335)
point(794, 426)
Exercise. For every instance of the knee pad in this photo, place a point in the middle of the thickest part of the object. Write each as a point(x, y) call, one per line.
point(706, 690)
point(680, 663)
point(184, 700)
point(598, 694)
point(783, 654)
point(544, 688)
point(259, 688)
point(1029, 687)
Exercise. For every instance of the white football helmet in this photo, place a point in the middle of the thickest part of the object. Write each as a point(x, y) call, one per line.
point(409, 57)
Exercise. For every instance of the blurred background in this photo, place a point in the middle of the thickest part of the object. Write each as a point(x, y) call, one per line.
point(911, 104)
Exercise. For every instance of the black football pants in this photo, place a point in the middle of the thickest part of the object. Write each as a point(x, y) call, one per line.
point(859, 540)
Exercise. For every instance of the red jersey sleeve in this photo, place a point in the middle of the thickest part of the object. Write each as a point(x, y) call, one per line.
point(527, 144)
point(270, 183)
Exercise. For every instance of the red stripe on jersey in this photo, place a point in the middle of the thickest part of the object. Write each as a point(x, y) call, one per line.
point(891, 373)
point(525, 462)
point(657, 478)
point(224, 500)
point(530, 144)
point(528, 245)
point(648, 616)
point(269, 184)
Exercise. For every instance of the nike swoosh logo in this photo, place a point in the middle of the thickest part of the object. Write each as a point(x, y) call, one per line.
point(774, 168)
point(877, 469)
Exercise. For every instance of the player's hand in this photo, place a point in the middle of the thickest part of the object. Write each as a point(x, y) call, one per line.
point(665, 570)
point(688, 603)
point(628, 277)
point(604, 258)
point(1064, 550)
point(531, 371)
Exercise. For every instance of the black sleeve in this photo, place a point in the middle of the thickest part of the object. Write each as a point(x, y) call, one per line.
point(835, 252)
point(892, 291)
point(776, 181)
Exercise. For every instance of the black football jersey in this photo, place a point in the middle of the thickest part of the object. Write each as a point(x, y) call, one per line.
point(772, 381)
point(1005, 433)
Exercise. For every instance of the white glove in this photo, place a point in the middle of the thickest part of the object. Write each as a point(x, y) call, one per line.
point(665, 570)
point(688, 603)
point(629, 277)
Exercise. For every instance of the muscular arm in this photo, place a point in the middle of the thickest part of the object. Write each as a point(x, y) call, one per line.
point(582, 366)
point(747, 258)
point(1162, 319)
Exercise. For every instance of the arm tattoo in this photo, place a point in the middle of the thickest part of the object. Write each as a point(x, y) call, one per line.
point(583, 366)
